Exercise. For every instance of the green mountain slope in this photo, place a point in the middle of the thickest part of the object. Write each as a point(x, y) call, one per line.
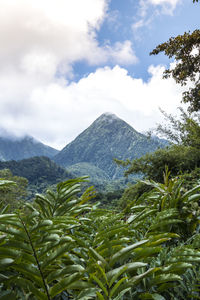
point(85, 169)
point(21, 148)
point(37, 170)
point(97, 176)
point(107, 138)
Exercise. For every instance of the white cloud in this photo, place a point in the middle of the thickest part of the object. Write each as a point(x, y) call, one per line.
point(46, 37)
point(168, 6)
point(121, 53)
point(55, 112)
point(149, 9)
point(41, 40)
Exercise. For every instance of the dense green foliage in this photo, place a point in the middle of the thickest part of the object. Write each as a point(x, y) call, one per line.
point(184, 130)
point(133, 192)
point(64, 248)
point(107, 138)
point(13, 194)
point(20, 148)
point(109, 199)
point(185, 49)
point(37, 169)
point(40, 172)
point(180, 159)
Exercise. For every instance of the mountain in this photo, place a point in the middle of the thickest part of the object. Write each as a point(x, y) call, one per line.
point(107, 138)
point(41, 173)
point(37, 170)
point(21, 148)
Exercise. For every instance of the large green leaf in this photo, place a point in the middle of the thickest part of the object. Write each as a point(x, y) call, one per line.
point(60, 273)
point(158, 279)
point(129, 267)
point(153, 296)
point(97, 256)
point(123, 252)
point(63, 284)
point(6, 262)
point(113, 291)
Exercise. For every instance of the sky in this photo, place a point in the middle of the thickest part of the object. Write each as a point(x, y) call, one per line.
point(63, 63)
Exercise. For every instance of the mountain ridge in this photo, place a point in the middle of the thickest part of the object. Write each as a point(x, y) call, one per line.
point(13, 148)
point(91, 153)
point(108, 137)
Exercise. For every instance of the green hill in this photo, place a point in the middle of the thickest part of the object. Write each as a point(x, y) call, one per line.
point(37, 170)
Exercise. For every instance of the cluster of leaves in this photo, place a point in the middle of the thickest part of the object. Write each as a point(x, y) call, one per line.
point(185, 49)
point(109, 200)
point(184, 130)
point(179, 159)
point(61, 247)
point(13, 194)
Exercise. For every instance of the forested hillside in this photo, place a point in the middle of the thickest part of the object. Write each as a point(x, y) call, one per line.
point(40, 171)
point(108, 137)
point(37, 169)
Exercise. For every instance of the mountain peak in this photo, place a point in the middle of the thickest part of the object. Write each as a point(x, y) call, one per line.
point(106, 118)
point(106, 138)
point(108, 115)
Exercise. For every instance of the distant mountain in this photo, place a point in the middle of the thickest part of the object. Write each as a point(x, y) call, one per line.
point(41, 173)
point(107, 138)
point(21, 148)
point(37, 170)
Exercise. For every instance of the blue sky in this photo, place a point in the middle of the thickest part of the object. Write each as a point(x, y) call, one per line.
point(122, 15)
point(63, 63)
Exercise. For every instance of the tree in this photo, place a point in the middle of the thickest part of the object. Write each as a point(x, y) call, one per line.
point(186, 51)
point(183, 131)
point(180, 159)
point(13, 195)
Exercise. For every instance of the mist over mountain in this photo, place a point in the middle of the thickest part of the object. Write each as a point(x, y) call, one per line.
point(15, 148)
point(108, 137)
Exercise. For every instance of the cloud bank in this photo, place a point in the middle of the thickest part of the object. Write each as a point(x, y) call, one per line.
point(56, 112)
point(42, 39)
point(45, 37)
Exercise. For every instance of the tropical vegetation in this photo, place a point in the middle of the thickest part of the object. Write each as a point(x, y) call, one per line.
point(62, 246)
